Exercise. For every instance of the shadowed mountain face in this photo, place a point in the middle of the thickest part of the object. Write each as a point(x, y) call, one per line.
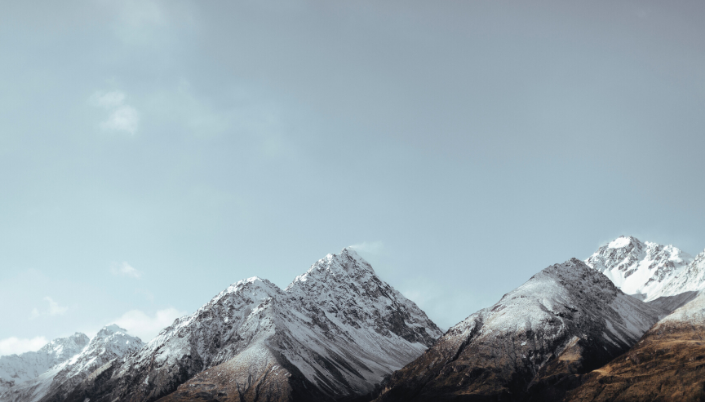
point(331, 335)
point(532, 345)
point(111, 342)
point(668, 363)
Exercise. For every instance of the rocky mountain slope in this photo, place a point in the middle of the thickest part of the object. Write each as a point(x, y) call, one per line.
point(689, 280)
point(331, 335)
point(111, 342)
point(532, 345)
point(668, 363)
point(641, 269)
point(15, 369)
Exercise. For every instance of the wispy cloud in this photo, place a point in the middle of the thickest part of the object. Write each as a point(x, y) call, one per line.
point(53, 309)
point(147, 327)
point(13, 345)
point(125, 269)
point(108, 100)
point(374, 247)
point(122, 117)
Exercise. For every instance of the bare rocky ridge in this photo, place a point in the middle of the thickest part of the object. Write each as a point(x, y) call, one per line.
point(668, 363)
point(331, 335)
point(532, 345)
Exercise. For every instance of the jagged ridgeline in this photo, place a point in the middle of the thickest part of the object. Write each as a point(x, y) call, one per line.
point(64, 363)
point(532, 345)
point(551, 338)
point(662, 275)
point(16, 369)
point(626, 324)
point(333, 334)
point(667, 364)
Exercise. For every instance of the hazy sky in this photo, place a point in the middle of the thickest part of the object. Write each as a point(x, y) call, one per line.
point(151, 153)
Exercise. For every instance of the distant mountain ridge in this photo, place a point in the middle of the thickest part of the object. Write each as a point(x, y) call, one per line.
point(664, 276)
point(72, 365)
point(15, 369)
point(331, 335)
point(642, 269)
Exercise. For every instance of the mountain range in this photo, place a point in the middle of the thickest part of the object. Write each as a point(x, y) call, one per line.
point(64, 363)
point(627, 323)
point(332, 334)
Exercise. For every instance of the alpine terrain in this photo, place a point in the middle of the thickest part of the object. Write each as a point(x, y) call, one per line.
point(79, 361)
point(653, 272)
point(331, 335)
point(668, 363)
point(531, 345)
point(15, 369)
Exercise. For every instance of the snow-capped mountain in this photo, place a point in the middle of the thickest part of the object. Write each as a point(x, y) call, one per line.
point(566, 320)
point(15, 369)
point(333, 333)
point(690, 279)
point(110, 343)
point(642, 269)
point(667, 364)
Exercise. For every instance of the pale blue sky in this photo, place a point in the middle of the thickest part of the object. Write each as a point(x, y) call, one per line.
point(151, 153)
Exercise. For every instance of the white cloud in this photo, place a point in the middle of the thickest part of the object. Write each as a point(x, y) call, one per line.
point(136, 322)
point(374, 247)
point(108, 100)
point(15, 345)
point(53, 309)
point(125, 269)
point(122, 117)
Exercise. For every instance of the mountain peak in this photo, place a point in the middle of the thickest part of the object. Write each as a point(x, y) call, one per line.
point(251, 282)
point(16, 369)
point(110, 330)
point(345, 265)
point(567, 319)
point(639, 268)
point(334, 332)
point(624, 241)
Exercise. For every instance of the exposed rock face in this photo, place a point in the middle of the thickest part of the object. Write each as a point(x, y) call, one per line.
point(16, 369)
point(53, 384)
point(532, 345)
point(332, 334)
point(111, 343)
point(668, 363)
point(643, 269)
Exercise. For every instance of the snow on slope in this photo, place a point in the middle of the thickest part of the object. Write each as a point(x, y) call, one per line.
point(567, 292)
point(338, 328)
point(111, 342)
point(692, 314)
point(15, 369)
point(210, 336)
point(690, 279)
point(567, 319)
point(642, 269)
point(365, 322)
